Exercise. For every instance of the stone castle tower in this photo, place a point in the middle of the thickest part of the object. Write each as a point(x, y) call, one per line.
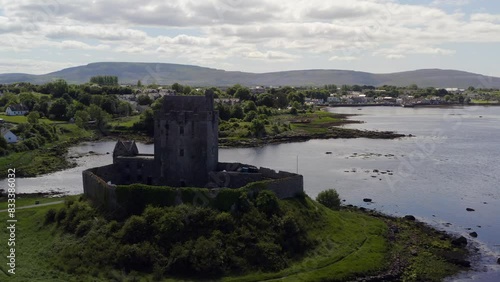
point(186, 140)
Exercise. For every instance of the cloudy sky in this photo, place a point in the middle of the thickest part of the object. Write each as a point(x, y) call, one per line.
point(40, 36)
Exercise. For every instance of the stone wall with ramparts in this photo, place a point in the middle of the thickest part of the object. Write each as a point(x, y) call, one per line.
point(97, 184)
point(100, 192)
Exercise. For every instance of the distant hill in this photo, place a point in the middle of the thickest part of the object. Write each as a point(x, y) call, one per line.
point(160, 73)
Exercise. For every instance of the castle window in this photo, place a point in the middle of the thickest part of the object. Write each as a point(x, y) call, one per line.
point(181, 130)
point(166, 128)
point(181, 152)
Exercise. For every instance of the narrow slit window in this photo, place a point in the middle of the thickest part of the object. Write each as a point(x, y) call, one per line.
point(181, 130)
point(181, 152)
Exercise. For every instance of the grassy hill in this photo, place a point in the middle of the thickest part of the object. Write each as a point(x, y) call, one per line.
point(163, 73)
point(348, 244)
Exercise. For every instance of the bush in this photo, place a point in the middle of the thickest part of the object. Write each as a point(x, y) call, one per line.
point(60, 215)
point(267, 202)
point(329, 198)
point(50, 216)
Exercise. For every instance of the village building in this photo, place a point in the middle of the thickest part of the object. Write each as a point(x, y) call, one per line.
point(16, 110)
point(8, 135)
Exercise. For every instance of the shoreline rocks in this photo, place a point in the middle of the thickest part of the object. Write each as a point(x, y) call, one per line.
point(410, 217)
point(459, 242)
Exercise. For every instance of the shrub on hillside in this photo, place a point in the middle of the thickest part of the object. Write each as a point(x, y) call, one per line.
point(184, 240)
point(329, 198)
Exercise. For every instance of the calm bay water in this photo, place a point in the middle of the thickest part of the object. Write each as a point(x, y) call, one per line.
point(451, 164)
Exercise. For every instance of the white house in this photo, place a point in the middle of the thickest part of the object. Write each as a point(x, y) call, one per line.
point(8, 135)
point(16, 110)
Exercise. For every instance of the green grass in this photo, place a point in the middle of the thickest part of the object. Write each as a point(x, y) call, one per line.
point(33, 163)
point(125, 121)
point(27, 200)
point(33, 244)
point(350, 245)
point(476, 101)
point(313, 123)
point(71, 132)
point(22, 119)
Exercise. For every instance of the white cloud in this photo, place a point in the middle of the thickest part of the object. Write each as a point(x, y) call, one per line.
point(216, 30)
point(394, 56)
point(345, 58)
point(401, 50)
point(483, 17)
point(271, 55)
point(72, 44)
point(35, 66)
point(450, 2)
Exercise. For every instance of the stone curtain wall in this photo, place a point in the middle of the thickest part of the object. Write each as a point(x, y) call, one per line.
point(283, 184)
point(287, 187)
point(102, 194)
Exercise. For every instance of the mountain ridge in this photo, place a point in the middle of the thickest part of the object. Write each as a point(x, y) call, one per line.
point(166, 73)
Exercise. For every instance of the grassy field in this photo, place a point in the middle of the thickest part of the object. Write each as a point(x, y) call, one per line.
point(22, 119)
point(351, 244)
point(33, 243)
point(125, 121)
point(27, 200)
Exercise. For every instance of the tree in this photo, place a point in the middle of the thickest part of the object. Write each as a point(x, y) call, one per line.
point(224, 111)
point(146, 123)
point(124, 109)
point(177, 88)
point(100, 117)
point(329, 198)
point(58, 88)
point(58, 108)
point(187, 90)
point(232, 90)
point(33, 117)
point(265, 100)
point(243, 94)
point(296, 97)
point(251, 115)
point(144, 100)
point(258, 128)
point(139, 84)
point(249, 106)
point(237, 112)
point(81, 118)
point(104, 80)
point(28, 99)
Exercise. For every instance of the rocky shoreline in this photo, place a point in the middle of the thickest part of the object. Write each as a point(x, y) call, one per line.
point(407, 249)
